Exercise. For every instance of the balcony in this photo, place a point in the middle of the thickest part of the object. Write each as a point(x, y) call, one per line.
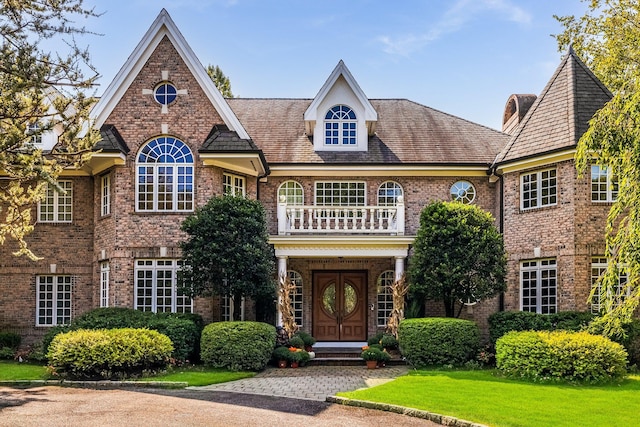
point(356, 220)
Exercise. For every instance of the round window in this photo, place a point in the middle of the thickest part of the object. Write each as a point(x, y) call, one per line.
point(165, 93)
point(463, 191)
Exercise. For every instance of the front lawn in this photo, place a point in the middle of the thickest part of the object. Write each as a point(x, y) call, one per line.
point(13, 371)
point(482, 397)
point(193, 375)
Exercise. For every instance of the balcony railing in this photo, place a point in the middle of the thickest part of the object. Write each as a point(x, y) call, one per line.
point(299, 219)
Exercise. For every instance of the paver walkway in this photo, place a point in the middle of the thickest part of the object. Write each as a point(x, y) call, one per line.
point(311, 382)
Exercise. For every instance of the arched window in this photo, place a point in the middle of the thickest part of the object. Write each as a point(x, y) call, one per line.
point(385, 297)
point(340, 126)
point(464, 192)
point(388, 193)
point(296, 296)
point(164, 176)
point(294, 196)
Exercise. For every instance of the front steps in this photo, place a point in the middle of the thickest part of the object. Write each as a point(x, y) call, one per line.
point(344, 354)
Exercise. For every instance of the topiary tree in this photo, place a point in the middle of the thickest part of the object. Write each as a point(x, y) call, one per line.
point(227, 252)
point(458, 256)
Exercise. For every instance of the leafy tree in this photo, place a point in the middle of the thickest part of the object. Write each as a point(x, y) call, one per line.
point(41, 91)
point(221, 81)
point(606, 37)
point(458, 256)
point(227, 252)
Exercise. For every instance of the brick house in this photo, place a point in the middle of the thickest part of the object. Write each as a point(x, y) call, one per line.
point(343, 179)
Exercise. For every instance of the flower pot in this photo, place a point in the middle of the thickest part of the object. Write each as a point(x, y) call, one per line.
point(294, 364)
point(382, 364)
point(282, 363)
point(372, 364)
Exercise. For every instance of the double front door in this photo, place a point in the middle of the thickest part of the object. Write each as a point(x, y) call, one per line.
point(340, 305)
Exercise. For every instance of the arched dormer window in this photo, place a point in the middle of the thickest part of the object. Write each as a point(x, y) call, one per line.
point(340, 126)
point(164, 176)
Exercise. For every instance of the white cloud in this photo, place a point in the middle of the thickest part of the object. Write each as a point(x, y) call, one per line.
point(462, 12)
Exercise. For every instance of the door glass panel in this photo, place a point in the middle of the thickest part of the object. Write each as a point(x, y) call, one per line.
point(329, 298)
point(350, 298)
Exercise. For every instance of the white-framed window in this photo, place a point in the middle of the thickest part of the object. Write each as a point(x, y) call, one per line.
point(538, 286)
point(538, 189)
point(340, 126)
point(385, 297)
point(33, 129)
point(227, 303)
point(388, 193)
point(293, 193)
point(53, 300)
point(105, 195)
point(340, 194)
point(296, 296)
point(104, 284)
point(164, 176)
point(463, 192)
point(233, 184)
point(156, 287)
point(165, 93)
point(599, 265)
point(57, 206)
point(604, 184)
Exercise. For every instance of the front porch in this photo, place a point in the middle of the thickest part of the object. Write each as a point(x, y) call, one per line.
point(340, 283)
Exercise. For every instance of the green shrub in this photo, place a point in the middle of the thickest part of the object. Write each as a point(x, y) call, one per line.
point(281, 353)
point(630, 341)
point(506, 321)
point(237, 345)
point(560, 355)
point(108, 353)
point(10, 340)
point(7, 353)
point(308, 340)
point(375, 339)
point(297, 342)
point(389, 342)
point(184, 329)
point(438, 341)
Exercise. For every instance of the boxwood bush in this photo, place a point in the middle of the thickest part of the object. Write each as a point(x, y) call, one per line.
point(438, 341)
point(560, 355)
point(184, 329)
point(108, 353)
point(238, 346)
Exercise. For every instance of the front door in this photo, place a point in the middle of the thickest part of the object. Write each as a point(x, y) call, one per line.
point(340, 305)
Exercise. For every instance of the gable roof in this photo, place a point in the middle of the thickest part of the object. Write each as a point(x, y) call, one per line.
point(406, 133)
point(163, 26)
point(341, 70)
point(560, 115)
point(111, 141)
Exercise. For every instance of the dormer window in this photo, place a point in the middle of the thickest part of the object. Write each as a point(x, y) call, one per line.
point(340, 126)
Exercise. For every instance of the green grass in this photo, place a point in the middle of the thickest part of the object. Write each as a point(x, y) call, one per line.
point(12, 371)
point(193, 375)
point(482, 397)
point(199, 375)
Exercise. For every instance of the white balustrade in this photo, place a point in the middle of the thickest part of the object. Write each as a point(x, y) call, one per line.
point(297, 219)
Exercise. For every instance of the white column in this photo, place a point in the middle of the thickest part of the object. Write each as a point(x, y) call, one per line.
point(282, 272)
point(282, 215)
point(399, 267)
point(400, 216)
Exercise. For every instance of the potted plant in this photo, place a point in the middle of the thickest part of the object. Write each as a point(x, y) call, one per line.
point(281, 356)
point(308, 340)
point(297, 356)
point(371, 355)
point(296, 341)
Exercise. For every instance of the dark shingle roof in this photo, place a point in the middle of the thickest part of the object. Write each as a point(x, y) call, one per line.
point(406, 132)
point(560, 115)
point(221, 139)
point(111, 140)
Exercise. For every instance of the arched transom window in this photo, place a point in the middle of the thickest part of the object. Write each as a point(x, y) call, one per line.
point(388, 193)
point(340, 126)
point(164, 176)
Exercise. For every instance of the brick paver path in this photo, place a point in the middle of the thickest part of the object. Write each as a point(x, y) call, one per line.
point(311, 382)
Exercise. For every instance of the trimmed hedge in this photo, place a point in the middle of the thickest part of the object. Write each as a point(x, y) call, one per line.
point(10, 340)
point(505, 321)
point(184, 329)
point(238, 346)
point(560, 355)
point(438, 341)
point(109, 353)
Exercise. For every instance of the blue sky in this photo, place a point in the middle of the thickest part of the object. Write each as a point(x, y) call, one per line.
point(464, 57)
